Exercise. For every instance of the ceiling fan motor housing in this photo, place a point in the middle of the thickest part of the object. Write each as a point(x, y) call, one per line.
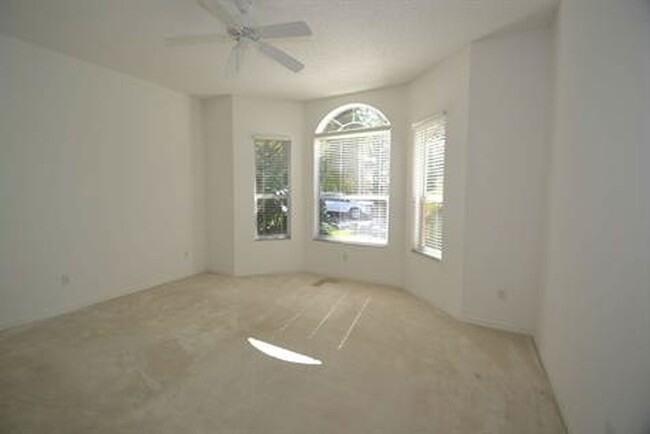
point(243, 32)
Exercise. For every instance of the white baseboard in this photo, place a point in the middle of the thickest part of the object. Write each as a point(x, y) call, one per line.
point(496, 325)
point(46, 314)
point(49, 313)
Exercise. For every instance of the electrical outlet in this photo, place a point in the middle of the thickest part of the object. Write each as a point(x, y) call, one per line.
point(345, 256)
point(186, 255)
point(65, 279)
point(502, 294)
point(609, 428)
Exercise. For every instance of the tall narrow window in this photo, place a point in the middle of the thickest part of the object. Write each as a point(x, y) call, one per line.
point(352, 152)
point(272, 194)
point(430, 139)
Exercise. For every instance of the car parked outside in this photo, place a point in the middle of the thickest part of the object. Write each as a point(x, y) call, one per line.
point(342, 206)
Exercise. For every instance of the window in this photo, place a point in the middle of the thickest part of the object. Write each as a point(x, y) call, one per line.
point(430, 139)
point(352, 165)
point(272, 197)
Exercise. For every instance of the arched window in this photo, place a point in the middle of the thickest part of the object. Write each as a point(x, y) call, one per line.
point(352, 152)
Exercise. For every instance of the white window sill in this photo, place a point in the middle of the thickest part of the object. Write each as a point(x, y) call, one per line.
point(436, 255)
point(273, 237)
point(352, 243)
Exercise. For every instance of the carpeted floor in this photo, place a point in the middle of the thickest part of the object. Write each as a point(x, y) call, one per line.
point(175, 359)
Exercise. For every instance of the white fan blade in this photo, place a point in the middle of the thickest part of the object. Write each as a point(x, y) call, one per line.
point(217, 9)
point(280, 56)
point(178, 41)
point(285, 30)
point(235, 59)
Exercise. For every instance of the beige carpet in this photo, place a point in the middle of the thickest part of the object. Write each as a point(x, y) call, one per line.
point(175, 359)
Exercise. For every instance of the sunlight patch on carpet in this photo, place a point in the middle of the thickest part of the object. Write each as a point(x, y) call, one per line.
point(282, 353)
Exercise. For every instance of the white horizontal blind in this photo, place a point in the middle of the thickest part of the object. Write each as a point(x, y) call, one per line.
point(272, 196)
point(430, 140)
point(353, 186)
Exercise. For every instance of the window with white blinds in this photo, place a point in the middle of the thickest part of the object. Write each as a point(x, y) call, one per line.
point(272, 189)
point(430, 138)
point(352, 151)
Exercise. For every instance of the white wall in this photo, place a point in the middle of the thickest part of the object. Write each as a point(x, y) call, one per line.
point(444, 88)
point(230, 123)
point(256, 116)
point(369, 263)
point(100, 179)
point(220, 201)
point(507, 168)
point(594, 336)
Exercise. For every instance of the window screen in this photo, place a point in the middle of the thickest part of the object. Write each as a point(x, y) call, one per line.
point(272, 194)
point(430, 140)
point(353, 177)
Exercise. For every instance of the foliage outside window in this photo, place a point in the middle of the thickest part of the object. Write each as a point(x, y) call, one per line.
point(352, 151)
point(272, 189)
point(430, 140)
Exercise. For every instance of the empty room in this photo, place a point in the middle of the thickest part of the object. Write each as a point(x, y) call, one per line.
point(345, 216)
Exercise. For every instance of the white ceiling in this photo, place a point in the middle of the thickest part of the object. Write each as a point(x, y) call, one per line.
point(357, 44)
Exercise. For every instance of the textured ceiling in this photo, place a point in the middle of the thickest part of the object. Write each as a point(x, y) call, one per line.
point(356, 45)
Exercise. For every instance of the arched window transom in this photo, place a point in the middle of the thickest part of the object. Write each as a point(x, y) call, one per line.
point(353, 117)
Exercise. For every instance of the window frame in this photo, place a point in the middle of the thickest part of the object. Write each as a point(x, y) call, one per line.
point(288, 141)
point(419, 193)
point(321, 133)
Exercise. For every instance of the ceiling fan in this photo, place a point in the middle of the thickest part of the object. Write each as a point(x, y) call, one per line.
point(241, 28)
